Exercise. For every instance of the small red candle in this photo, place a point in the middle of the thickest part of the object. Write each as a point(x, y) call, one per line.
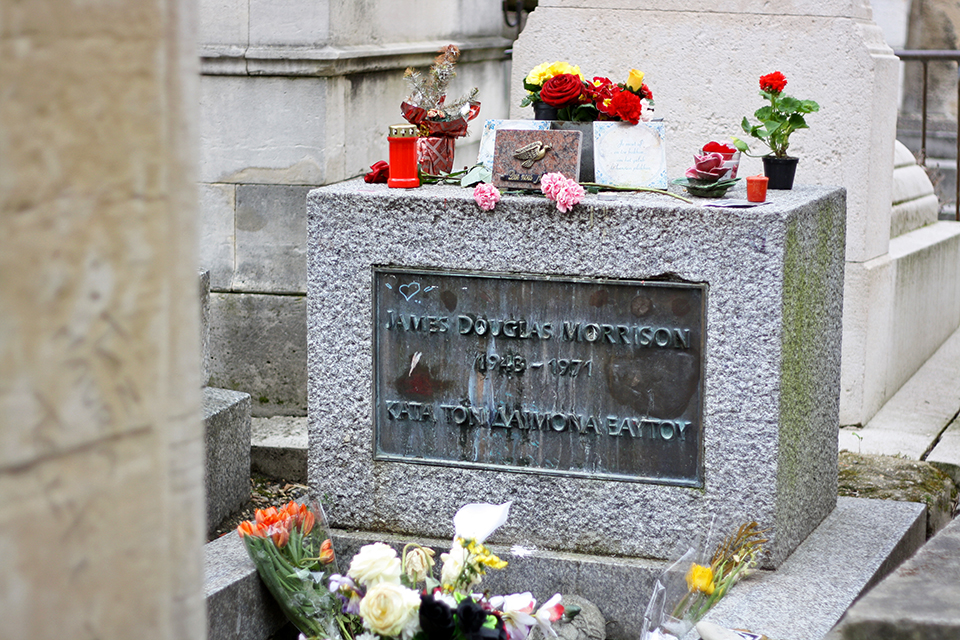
point(756, 188)
point(403, 157)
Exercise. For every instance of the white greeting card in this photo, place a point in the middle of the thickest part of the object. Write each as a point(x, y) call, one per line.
point(629, 155)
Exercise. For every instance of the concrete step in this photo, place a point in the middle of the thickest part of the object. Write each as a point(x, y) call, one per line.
point(278, 448)
point(916, 419)
point(854, 548)
point(921, 599)
point(239, 606)
point(226, 419)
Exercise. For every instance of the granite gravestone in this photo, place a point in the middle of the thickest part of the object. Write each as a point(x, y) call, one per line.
point(416, 409)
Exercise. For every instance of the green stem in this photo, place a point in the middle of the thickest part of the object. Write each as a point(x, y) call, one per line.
point(450, 178)
point(607, 187)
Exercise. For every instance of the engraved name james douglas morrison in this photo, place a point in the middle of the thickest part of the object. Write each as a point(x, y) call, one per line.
point(530, 418)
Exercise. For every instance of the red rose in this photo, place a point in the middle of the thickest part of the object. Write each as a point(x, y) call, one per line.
point(379, 172)
point(561, 90)
point(727, 150)
point(626, 105)
point(645, 92)
point(773, 82)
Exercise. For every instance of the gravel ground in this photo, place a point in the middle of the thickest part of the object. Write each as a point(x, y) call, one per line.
point(264, 492)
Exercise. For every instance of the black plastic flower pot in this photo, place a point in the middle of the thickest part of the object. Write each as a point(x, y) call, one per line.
point(543, 111)
point(780, 171)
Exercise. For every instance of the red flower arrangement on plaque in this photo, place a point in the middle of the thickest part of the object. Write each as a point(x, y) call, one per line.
point(576, 99)
point(440, 122)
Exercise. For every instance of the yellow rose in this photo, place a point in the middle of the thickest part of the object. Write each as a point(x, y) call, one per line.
point(388, 608)
point(700, 578)
point(375, 563)
point(635, 80)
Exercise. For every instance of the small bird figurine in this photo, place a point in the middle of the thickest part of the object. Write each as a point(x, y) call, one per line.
point(531, 153)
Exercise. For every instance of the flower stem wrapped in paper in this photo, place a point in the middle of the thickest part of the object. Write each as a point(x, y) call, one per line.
point(689, 587)
point(293, 553)
point(440, 122)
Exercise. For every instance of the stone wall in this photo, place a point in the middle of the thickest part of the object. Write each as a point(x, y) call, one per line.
point(101, 499)
point(293, 96)
point(684, 51)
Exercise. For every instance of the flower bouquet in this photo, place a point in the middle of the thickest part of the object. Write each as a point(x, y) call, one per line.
point(386, 595)
point(293, 553)
point(440, 122)
point(569, 96)
point(690, 586)
point(559, 91)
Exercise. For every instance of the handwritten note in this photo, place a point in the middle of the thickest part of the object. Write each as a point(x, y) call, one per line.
point(630, 155)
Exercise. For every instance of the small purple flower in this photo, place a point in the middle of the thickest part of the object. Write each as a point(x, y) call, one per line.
point(346, 590)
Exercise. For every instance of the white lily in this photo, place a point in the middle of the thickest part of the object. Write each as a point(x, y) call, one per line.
point(478, 520)
point(549, 612)
point(516, 613)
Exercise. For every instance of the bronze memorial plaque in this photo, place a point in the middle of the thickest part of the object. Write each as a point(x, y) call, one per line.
point(536, 374)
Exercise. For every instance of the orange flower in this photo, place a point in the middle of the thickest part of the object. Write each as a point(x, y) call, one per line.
point(326, 552)
point(280, 533)
point(248, 528)
point(307, 522)
point(276, 523)
point(266, 516)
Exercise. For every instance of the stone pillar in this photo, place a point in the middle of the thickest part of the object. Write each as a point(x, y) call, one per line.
point(101, 505)
point(703, 68)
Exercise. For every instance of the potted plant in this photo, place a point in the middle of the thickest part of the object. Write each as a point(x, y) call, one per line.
point(558, 91)
point(779, 119)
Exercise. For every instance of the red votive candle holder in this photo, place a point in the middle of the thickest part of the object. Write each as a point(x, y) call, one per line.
point(757, 188)
point(403, 157)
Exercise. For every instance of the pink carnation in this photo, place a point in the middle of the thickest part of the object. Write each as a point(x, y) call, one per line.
point(565, 191)
point(486, 195)
point(569, 195)
point(551, 183)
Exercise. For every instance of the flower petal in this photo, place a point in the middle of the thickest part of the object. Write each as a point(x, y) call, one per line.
point(477, 521)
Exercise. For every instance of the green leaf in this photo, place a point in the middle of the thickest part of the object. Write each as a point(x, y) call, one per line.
point(528, 100)
point(740, 144)
point(765, 113)
point(532, 88)
point(745, 125)
point(808, 106)
point(797, 121)
point(477, 174)
point(789, 104)
point(770, 131)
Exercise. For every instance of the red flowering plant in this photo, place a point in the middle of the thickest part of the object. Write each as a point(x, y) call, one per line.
point(779, 119)
point(576, 99)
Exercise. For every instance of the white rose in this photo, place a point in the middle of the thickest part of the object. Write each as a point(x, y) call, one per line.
point(375, 563)
point(388, 608)
point(453, 563)
point(419, 563)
